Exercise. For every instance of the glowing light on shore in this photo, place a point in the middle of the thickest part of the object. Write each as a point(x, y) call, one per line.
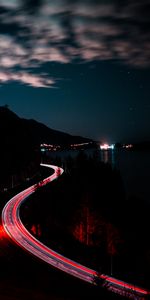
point(107, 146)
point(129, 146)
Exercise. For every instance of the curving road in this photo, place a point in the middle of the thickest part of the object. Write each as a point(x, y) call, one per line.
point(19, 234)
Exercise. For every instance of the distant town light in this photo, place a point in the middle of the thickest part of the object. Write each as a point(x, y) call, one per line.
point(128, 146)
point(112, 146)
point(48, 147)
point(107, 146)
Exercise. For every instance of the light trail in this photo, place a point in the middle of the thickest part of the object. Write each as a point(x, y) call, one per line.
point(20, 235)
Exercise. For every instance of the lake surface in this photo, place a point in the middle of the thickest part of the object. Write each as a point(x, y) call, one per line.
point(134, 167)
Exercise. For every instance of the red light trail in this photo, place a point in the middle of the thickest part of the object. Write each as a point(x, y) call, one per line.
point(20, 235)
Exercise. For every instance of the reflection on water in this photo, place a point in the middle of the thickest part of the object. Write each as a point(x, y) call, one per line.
point(134, 167)
point(108, 156)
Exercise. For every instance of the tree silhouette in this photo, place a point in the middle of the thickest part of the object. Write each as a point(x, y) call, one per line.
point(113, 240)
point(6, 106)
point(100, 281)
point(88, 224)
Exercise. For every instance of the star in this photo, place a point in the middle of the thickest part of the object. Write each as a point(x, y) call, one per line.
point(131, 108)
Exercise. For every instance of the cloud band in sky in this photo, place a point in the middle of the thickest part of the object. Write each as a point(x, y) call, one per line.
point(70, 31)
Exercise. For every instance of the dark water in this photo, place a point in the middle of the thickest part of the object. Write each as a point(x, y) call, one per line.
point(134, 167)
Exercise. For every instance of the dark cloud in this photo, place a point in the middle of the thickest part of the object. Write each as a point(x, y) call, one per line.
point(32, 6)
point(34, 32)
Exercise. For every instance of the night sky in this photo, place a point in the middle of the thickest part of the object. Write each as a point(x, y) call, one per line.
point(82, 67)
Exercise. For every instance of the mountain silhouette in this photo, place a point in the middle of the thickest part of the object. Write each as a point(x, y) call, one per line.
point(21, 138)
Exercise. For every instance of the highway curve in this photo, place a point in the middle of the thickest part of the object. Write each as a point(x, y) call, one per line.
point(21, 236)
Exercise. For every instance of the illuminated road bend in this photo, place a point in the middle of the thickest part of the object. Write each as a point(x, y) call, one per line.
point(20, 235)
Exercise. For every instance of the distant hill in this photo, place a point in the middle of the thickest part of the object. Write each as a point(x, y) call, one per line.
point(43, 134)
point(13, 127)
point(20, 139)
